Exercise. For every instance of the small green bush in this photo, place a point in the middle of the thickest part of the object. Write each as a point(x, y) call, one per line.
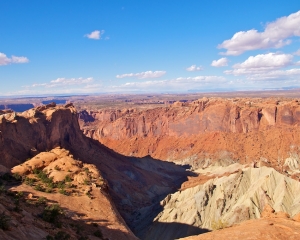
point(51, 213)
point(29, 181)
point(68, 178)
point(61, 185)
point(39, 187)
point(42, 200)
point(17, 176)
point(4, 221)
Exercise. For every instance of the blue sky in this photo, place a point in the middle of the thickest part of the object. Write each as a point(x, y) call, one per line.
point(96, 46)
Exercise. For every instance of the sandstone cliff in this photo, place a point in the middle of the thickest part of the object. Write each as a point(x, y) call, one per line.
point(136, 185)
point(256, 131)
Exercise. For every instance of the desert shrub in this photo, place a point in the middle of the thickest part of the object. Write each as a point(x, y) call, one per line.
point(39, 187)
point(17, 176)
point(44, 177)
point(29, 181)
point(42, 200)
point(218, 224)
point(36, 171)
point(68, 178)
point(51, 213)
point(62, 236)
point(4, 221)
point(61, 185)
point(98, 234)
point(86, 182)
point(63, 191)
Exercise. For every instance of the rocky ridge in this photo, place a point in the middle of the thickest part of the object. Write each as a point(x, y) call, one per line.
point(136, 185)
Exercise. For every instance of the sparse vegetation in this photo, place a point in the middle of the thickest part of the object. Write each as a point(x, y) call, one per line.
point(17, 176)
point(39, 187)
point(68, 178)
point(51, 213)
point(29, 181)
point(4, 221)
point(86, 182)
point(42, 200)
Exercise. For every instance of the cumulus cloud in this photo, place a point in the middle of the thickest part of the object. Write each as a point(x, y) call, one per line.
point(262, 63)
point(222, 62)
point(268, 67)
point(64, 82)
point(275, 35)
point(4, 60)
point(143, 75)
point(95, 34)
point(178, 84)
point(276, 75)
point(194, 68)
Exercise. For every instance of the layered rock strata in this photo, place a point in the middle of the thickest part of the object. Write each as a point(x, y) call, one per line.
point(253, 131)
point(224, 201)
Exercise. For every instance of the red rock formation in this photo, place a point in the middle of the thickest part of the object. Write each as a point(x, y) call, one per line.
point(134, 183)
point(256, 131)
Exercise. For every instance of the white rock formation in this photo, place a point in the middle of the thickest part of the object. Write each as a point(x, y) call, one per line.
point(226, 200)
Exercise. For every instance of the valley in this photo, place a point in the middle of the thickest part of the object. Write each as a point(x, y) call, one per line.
point(154, 171)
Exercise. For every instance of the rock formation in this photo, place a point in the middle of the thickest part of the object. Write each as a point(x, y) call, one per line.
point(254, 131)
point(136, 185)
point(224, 201)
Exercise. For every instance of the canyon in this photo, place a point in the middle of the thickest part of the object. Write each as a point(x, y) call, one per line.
point(197, 167)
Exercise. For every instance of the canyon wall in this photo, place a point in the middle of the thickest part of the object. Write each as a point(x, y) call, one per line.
point(136, 185)
point(206, 131)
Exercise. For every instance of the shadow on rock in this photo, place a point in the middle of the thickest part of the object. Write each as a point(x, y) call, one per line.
point(170, 231)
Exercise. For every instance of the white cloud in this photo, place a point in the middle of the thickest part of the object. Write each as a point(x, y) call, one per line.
point(274, 36)
point(297, 53)
point(194, 68)
point(95, 34)
point(276, 75)
point(268, 67)
point(262, 63)
point(4, 60)
point(143, 75)
point(64, 82)
point(222, 62)
point(178, 84)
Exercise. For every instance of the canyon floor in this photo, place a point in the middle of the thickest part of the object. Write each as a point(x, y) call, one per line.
point(207, 168)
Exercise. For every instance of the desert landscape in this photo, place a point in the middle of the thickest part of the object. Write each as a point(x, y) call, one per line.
point(211, 168)
point(149, 120)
